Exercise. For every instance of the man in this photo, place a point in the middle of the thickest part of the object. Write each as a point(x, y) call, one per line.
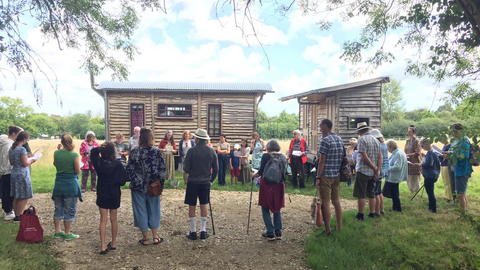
point(297, 161)
point(201, 164)
point(133, 142)
point(369, 163)
point(331, 152)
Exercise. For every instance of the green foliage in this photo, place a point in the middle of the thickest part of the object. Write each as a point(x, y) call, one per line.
point(393, 106)
point(279, 127)
point(13, 112)
point(40, 124)
point(78, 125)
point(396, 128)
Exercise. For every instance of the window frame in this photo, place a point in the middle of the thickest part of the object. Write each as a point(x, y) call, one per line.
point(366, 119)
point(131, 113)
point(175, 116)
point(211, 133)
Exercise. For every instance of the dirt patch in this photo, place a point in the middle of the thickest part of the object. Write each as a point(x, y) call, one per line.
point(230, 248)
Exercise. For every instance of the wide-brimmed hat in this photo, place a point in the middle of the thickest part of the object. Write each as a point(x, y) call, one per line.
point(376, 133)
point(353, 140)
point(362, 125)
point(201, 134)
point(237, 146)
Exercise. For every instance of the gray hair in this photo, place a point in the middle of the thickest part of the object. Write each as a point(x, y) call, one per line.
point(89, 133)
point(297, 132)
point(392, 144)
point(424, 141)
point(273, 146)
point(136, 128)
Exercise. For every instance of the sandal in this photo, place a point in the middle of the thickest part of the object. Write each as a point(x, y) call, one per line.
point(93, 189)
point(103, 252)
point(159, 240)
point(142, 241)
point(109, 246)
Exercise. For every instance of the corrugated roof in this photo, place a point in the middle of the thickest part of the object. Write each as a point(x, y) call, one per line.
point(336, 88)
point(186, 86)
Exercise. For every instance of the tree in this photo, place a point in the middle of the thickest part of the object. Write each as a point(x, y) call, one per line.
point(40, 124)
point(393, 106)
point(447, 107)
point(78, 125)
point(13, 112)
point(419, 114)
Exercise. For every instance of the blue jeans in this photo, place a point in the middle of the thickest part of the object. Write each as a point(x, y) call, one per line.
point(429, 184)
point(146, 211)
point(65, 208)
point(222, 169)
point(395, 196)
point(267, 219)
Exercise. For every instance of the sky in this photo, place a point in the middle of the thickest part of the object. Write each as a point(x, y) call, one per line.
point(190, 44)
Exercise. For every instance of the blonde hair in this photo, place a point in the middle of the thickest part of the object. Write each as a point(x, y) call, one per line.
point(185, 133)
point(381, 139)
point(67, 142)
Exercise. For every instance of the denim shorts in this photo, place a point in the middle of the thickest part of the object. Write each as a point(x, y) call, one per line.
point(461, 183)
point(65, 208)
point(378, 187)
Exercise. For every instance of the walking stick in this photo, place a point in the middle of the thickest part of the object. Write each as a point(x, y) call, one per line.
point(417, 193)
point(250, 207)
point(211, 214)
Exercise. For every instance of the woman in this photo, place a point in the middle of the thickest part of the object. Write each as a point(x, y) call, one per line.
point(168, 148)
point(430, 172)
point(146, 164)
point(66, 189)
point(6, 170)
point(351, 161)
point(121, 149)
point(272, 197)
point(383, 173)
point(257, 146)
point(444, 170)
point(223, 150)
point(20, 182)
point(183, 146)
point(111, 176)
point(397, 172)
point(85, 149)
point(414, 155)
point(244, 162)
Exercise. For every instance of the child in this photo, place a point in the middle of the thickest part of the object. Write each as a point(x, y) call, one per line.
point(111, 176)
point(234, 164)
point(245, 162)
point(430, 172)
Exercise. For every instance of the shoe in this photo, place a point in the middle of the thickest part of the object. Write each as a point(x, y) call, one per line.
point(324, 233)
point(8, 217)
point(371, 215)
point(204, 235)
point(16, 219)
point(268, 237)
point(93, 189)
point(359, 218)
point(382, 212)
point(59, 235)
point(278, 235)
point(103, 252)
point(159, 240)
point(109, 246)
point(192, 235)
point(71, 236)
point(83, 190)
point(376, 215)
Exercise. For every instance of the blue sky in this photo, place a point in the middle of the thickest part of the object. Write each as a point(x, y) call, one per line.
point(190, 44)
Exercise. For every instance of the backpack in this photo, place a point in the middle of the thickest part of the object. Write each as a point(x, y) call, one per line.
point(473, 159)
point(273, 171)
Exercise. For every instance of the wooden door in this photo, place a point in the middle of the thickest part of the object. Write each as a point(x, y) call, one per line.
point(137, 116)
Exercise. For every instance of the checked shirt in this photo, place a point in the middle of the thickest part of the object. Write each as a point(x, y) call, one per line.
point(370, 145)
point(332, 147)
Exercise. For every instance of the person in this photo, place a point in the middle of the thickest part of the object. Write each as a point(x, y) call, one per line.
point(168, 148)
point(133, 141)
point(111, 176)
point(463, 168)
point(223, 151)
point(145, 166)
point(234, 162)
point(257, 146)
point(201, 164)
point(20, 181)
point(413, 152)
point(430, 172)
point(66, 190)
point(397, 173)
point(351, 161)
point(379, 200)
point(332, 153)
point(297, 162)
point(121, 149)
point(6, 170)
point(244, 162)
point(209, 144)
point(272, 197)
point(369, 162)
point(444, 170)
point(85, 149)
point(183, 146)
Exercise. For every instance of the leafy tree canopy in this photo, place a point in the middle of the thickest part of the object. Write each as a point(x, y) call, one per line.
point(393, 106)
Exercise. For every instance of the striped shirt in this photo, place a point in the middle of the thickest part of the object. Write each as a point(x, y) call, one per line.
point(332, 147)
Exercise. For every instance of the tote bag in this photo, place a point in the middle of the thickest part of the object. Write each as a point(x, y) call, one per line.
point(30, 230)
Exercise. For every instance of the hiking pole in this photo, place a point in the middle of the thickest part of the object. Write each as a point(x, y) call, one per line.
point(211, 214)
point(417, 193)
point(250, 207)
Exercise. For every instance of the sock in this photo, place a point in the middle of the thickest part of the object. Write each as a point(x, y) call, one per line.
point(193, 224)
point(203, 224)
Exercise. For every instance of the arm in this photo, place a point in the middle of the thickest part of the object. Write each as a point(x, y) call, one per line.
point(263, 145)
point(174, 148)
point(367, 161)
point(307, 150)
point(95, 156)
point(321, 166)
point(25, 161)
point(379, 165)
point(396, 165)
point(230, 162)
point(82, 149)
point(76, 165)
point(214, 168)
point(180, 148)
point(428, 161)
point(186, 163)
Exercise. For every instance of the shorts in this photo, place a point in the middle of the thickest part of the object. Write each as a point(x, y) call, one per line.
point(200, 191)
point(329, 189)
point(378, 187)
point(461, 183)
point(364, 186)
point(235, 172)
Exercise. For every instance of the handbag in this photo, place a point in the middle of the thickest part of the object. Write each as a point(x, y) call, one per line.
point(345, 172)
point(30, 230)
point(154, 189)
point(316, 210)
point(386, 191)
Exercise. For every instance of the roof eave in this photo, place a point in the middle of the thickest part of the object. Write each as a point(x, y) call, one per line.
point(184, 90)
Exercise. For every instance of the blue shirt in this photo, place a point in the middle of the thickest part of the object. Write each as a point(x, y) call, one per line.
point(431, 165)
point(444, 162)
point(463, 166)
point(397, 167)
point(332, 147)
point(235, 160)
point(384, 150)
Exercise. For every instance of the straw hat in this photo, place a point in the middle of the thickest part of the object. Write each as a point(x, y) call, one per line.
point(353, 140)
point(376, 133)
point(362, 125)
point(201, 134)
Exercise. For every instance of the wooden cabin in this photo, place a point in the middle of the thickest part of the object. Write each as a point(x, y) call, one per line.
point(346, 105)
point(220, 108)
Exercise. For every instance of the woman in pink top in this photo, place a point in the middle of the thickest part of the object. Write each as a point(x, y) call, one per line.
point(85, 149)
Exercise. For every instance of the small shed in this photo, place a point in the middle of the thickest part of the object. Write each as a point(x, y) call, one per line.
point(346, 105)
point(218, 107)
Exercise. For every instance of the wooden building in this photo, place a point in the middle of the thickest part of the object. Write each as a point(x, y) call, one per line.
point(220, 108)
point(346, 105)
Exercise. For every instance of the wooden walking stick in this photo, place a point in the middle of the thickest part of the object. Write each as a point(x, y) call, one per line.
point(417, 193)
point(250, 207)
point(211, 214)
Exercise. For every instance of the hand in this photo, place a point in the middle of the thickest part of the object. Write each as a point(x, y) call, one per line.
point(185, 183)
point(33, 161)
point(231, 167)
point(317, 182)
point(423, 154)
point(252, 175)
point(59, 146)
point(30, 155)
point(377, 175)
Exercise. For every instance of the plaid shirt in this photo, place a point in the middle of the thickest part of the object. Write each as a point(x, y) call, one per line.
point(332, 147)
point(370, 145)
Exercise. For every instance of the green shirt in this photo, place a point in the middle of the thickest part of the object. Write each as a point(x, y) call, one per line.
point(64, 161)
point(27, 147)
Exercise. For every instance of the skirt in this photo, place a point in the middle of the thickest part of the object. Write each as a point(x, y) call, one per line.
point(245, 176)
point(170, 164)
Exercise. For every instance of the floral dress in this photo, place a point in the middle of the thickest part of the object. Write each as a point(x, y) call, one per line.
point(257, 157)
point(20, 182)
point(413, 146)
point(169, 161)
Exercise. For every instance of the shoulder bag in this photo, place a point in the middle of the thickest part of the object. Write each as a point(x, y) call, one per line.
point(154, 189)
point(345, 172)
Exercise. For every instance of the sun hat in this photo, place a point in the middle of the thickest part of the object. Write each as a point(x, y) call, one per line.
point(237, 146)
point(362, 125)
point(201, 134)
point(353, 140)
point(376, 133)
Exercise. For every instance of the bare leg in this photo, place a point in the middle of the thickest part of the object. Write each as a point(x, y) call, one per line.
point(377, 203)
point(382, 200)
point(19, 206)
point(185, 178)
point(58, 223)
point(191, 210)
point(154, 235)
point(145, 237)
point(67, 225)
point(338, 214)
point(231, 179)
point(203, 210)
point(371, 205)
point(462, 199)
point(327, 216)
point(103, 227)
point(236, 180)
point(361, 206)
point(114, 223)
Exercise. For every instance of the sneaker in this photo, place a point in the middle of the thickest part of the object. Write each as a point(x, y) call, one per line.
point(324, 233)
point(359, 218)
point(71, 236)
point(192, 235)
point(371, 215)
point(8, 217)
point(377, 215)
point(204, 235)
point(268, 237)
point(382, 212)
point(278, 235)
point(59, 235)
point(16, 219)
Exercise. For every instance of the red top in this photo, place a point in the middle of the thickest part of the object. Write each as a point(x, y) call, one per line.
point(302, 148)
point(164, 143)
point(271, 196)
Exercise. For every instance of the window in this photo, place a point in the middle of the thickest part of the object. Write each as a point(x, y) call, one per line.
point(175, 110)
point(214, 120)
point(352, 122)
point(136, 116)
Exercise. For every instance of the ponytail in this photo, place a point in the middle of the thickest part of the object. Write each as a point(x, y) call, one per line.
point(21, 137)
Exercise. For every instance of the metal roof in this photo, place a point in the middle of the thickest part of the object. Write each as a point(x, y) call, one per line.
point(186, 86)
point(336, 88)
